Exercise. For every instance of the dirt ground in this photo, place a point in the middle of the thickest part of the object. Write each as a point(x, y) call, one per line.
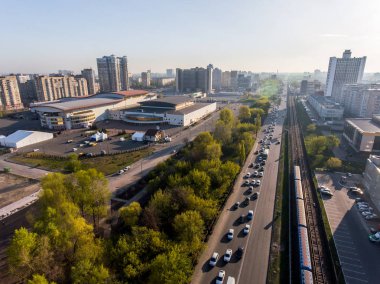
point(13, 188)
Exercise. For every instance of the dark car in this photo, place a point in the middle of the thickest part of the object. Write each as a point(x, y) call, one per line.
point(240, 252)
point(256, 152)
point(241, 219)
point(263, 163)
point(236, 205)
point(254, 196)
point(251, 165)
point(246, 200)
point(257, 166)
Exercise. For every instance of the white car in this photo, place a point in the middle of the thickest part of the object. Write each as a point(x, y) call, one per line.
point(247, 175)
point(230, 234)
point(247, 228)
point(258, 182)
point(250, 215)
point(362, 204)
point(370, 217)
point(127, 168)
point(326, 191)
point(228, 255)
point(121, 172)
point(261, 174)
point(220, 277)
point(214, 259)
point(255, 173)
point(366, 213)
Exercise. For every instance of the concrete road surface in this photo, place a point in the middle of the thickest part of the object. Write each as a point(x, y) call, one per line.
point(252, 268)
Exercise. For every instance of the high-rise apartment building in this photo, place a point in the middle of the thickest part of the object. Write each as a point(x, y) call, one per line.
point(113, 73)
point(89, 75)
point(345, 70)
point(361, 100)
point(54, 87)
point(170, 73)
point(217, 79)
point(226, 79)
point(146, 78)
point(27, 89)
point(309, 87)
point(194, 80)
point(234, 80)
point(10, 98)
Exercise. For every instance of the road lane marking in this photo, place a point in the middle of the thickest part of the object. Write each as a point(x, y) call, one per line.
point(351, 258)
point(349, 252)
point(349, 247)
point(346, 263)
point(348, 242)
point(353, 271)
point(357, 279)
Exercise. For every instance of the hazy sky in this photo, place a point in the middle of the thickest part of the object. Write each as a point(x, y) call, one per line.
point(257, 35)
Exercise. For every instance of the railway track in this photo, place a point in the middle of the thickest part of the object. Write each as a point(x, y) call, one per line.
point(319, 251)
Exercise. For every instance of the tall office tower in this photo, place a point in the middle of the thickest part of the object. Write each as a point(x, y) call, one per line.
point(9, 93)
point(217, 79)
point(27, 89)
point(54, 87)
point(169, 72)
point(226, 79)
point(234, 80)
point(342, 71)
point(113, 73)
point(194, 80)
point(89, 75)
point(145, 78)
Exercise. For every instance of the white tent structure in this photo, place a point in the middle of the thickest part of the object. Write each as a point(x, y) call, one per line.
point(22, 138)
point(99, 136)
point(138, 136)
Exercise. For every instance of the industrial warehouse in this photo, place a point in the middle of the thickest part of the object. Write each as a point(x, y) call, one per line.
point(173, 110)
point(135, 107)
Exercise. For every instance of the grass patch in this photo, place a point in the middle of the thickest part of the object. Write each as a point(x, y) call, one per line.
point(279, 261)
point(105, 164)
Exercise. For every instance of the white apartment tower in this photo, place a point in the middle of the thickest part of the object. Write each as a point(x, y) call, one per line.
point(345, 70)
point(113, 73)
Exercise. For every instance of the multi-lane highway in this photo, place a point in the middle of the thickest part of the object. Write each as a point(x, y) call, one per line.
point(253, 266)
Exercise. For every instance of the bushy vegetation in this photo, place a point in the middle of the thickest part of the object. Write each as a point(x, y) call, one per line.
point(155, 243)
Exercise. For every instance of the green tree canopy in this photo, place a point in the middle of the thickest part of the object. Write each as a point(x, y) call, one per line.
point(227, 116)
point(333, 163)
point(130, 214)
point(244, 113)
point(188, 226)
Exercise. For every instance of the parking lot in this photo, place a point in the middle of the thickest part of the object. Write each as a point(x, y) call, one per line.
point(358, 256)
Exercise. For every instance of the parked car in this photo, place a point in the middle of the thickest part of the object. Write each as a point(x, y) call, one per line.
point(236, 205)
point(228, 255)
point(255, 196)
point(258, 182)
point(121, 172)
point(370, 217)
point(214, 259)
point(230, 234)
point(127, 168)
point(246, 229)
point(261, 174)
point(326, 191)
point(220, 277)
point(366, 213)
point(241, 219)
point(240, 252)
point(375, 238)
point(250, 215)
point(247, 175)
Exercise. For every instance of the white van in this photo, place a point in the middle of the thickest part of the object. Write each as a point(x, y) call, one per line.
point(230, 280)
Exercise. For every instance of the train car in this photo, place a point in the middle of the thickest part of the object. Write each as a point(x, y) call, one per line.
point(297, 173)
point(298, 187)
point(306, 277)
point(301, 217)
point(304, 249)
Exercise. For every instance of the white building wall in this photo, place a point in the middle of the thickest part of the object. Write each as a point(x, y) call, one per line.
point(197, 115)
point(371, 179)
point(367, 143)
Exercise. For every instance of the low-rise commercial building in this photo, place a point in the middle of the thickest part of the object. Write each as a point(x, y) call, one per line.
point(173, 110)
point(326, 109)
point(371, 179)
point(363, 134)
point(69, 113)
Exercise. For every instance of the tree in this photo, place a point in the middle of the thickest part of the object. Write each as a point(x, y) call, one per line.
point(21, 253)
point(199, 181)
point(227, 116)
point(88, 272)
point(248, 141)
point(89, 190)
point(73, 164)
point(172, 267)
point(205, 147)
point(316, 144)
point(332, 141)
point(242, 154)
point(311, 127)
point(206, 207)
point(222, 132)
point(39, 279)
point(258, 123)
point(189, 226)
point(130, 214)
point(244, 113)
point(333, 163)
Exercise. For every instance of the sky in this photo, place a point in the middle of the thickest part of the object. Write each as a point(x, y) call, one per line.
point(43, 36)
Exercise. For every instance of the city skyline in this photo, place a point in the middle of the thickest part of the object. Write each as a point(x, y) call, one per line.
point(258, 37)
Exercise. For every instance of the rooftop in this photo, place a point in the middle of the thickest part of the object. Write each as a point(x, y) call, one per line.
point(150, 110)
point(169, 101)
point(366, 125)
point(132, 93)
point(327, 103)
